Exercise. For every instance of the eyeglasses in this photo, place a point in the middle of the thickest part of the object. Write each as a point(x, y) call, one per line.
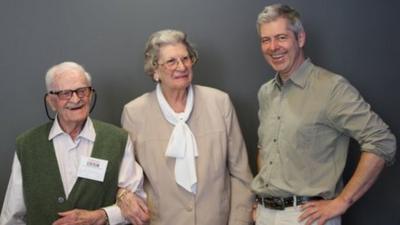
point(67, 94)
point(172, 64)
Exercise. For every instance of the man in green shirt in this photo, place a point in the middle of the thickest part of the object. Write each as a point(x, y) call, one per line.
point(307, 116)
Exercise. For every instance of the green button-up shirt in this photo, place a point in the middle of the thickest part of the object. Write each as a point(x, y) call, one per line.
point(304, 132)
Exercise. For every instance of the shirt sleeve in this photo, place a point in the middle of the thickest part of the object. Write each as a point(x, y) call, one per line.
point(14, 209)
point(131, 178)
point(350, 114)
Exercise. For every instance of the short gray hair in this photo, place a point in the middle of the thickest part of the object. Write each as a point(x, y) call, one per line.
point(162, 38)
point(62, 67)
point(275, 11)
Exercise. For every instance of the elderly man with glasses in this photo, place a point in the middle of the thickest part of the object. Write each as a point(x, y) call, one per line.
point(68, 171)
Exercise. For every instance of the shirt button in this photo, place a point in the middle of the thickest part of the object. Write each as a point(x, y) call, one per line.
point(278, 117)
point(270, 162)
point(60, 200)
point(266, 185)
point(189, 208)
point(274, 140)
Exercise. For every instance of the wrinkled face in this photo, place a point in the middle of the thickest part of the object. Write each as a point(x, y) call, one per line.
point(74, 110)
point(280, 47)
point(174, 69)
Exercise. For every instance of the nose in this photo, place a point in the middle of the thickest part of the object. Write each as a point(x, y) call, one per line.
point(273, 45)
point(180, 65)
point(74, 97)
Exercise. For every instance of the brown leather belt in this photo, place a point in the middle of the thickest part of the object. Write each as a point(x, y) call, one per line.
point(281, 203)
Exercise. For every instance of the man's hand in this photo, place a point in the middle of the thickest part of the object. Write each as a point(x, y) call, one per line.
point(322, 211)
point(254, 211)
point(82, 217)
point(133, 207)
point(367, 171)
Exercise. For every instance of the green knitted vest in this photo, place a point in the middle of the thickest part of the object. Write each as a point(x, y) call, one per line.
point(43, 190)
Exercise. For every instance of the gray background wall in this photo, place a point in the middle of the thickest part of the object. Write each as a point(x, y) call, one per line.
point(359, 39)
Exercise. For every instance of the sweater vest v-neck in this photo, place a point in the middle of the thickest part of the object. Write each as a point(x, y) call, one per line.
point(42, 185)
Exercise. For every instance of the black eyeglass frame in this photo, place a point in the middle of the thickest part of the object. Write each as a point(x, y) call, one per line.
point(67, 94)
point(91, 108)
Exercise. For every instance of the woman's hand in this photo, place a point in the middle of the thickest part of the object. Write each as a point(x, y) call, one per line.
point(133, 207)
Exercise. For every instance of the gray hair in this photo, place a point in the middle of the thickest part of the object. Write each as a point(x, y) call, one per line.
point(61, 68)
point(275, 11)
point(162, 38)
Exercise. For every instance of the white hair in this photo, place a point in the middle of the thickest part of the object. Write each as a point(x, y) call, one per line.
point(162, 38)
point(61, 68)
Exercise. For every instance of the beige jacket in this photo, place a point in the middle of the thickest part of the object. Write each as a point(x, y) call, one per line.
point(223, 193)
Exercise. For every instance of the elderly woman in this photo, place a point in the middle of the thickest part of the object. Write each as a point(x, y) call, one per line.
point(188, 141)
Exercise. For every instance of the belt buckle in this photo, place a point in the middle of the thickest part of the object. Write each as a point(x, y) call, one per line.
point(278, 203)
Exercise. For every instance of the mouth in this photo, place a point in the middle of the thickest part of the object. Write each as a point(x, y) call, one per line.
point(277, 57)
point(180, 76)
point(75, 107)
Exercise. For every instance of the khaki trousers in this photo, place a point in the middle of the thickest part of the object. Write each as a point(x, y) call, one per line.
point(288, 216)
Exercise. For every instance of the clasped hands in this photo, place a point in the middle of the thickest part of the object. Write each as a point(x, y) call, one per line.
point(133, 207)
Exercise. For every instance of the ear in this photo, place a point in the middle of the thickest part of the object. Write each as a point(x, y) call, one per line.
point(156, 77)
point(51, 102)
point(301, 39)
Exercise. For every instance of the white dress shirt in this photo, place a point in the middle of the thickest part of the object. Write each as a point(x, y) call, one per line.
point(68, 153)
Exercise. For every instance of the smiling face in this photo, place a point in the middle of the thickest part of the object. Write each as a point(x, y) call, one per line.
point(281, 48)
point(74, 111)
point(176, 77)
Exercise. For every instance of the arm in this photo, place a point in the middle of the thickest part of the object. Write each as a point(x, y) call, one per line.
point(82, 217)
point(133, 205)
point(368, 169)
point(131, 179)
point(258, 162)
point(351, 115)
point(14, 210)
point(241, 196)
point(366, 173)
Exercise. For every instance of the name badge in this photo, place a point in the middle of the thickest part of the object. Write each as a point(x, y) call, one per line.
point(92, 168)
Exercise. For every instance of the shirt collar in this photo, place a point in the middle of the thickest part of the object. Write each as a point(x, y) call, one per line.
point(299, 77)
point(87, 132)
